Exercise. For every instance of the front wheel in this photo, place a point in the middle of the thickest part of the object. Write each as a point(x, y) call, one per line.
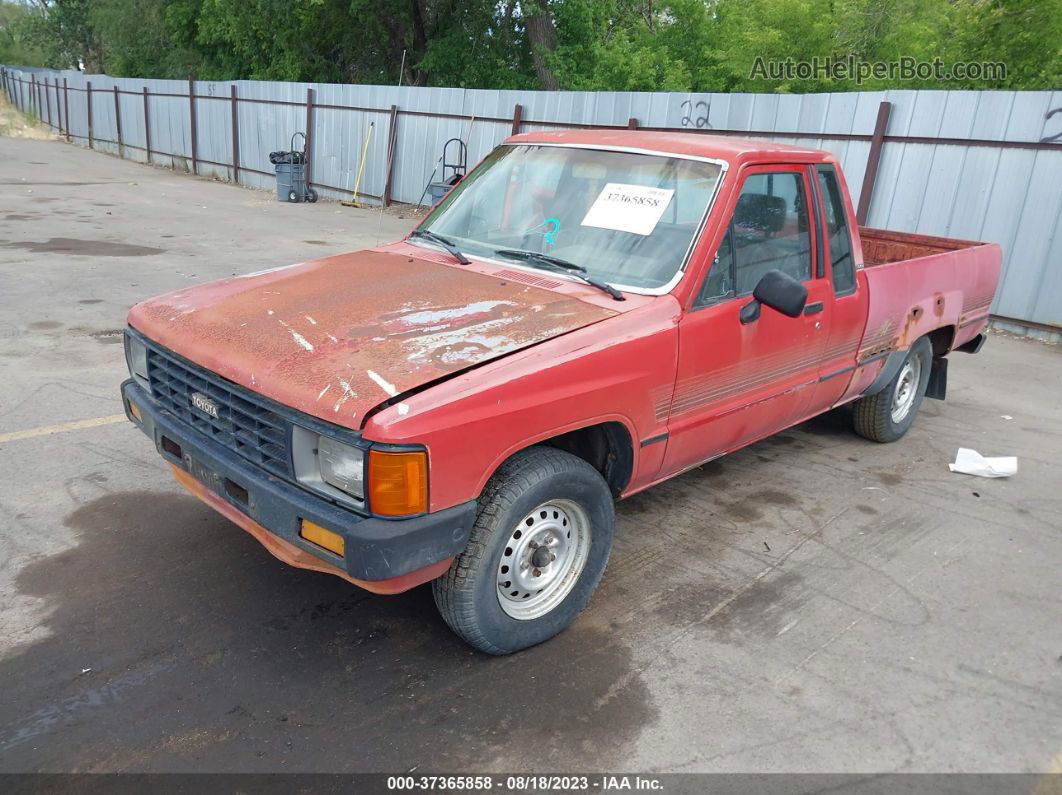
point(886, 416)
point(536, 553)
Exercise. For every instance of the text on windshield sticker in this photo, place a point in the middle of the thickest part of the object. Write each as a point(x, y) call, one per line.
point(628, 208)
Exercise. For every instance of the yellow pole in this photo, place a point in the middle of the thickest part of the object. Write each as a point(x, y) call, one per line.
point(361, 166)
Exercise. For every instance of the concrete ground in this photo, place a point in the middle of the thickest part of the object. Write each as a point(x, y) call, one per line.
point(813, 603)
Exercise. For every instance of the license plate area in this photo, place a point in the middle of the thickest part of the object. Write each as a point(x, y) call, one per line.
point(204, 474)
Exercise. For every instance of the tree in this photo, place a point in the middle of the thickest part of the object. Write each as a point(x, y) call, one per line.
point(618, 45)
point(1026, 35)
point(16, 48)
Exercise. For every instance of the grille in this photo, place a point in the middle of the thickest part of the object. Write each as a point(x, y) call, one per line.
point(243, 425)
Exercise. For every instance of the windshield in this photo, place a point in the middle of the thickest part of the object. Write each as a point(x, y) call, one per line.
point(627, 218)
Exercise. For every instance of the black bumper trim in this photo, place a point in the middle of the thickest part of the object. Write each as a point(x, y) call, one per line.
point(376, 549)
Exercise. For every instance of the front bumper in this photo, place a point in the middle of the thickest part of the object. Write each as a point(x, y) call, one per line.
point(381, 555)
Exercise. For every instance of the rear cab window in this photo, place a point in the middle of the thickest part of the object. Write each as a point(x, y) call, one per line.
point(842, 263)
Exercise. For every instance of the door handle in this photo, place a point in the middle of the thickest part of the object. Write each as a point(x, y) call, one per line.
point(813, 309)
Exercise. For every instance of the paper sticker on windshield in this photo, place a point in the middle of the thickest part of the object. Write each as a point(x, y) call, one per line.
point(628, 208)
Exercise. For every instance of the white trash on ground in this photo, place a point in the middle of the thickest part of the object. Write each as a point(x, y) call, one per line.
point(971, 462)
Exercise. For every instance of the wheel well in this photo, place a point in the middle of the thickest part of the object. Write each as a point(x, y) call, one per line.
point(941, 339)
point(606, 447)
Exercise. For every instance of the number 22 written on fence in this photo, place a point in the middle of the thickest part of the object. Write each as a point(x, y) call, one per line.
point(690, 107)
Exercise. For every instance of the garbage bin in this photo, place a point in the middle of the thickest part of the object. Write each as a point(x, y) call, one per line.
point(291, 182)
point(291, 173)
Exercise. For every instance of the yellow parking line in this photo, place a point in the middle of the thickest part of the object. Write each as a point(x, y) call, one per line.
point(62, 427)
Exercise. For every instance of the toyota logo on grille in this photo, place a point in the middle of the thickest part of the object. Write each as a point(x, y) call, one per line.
point(204, 404)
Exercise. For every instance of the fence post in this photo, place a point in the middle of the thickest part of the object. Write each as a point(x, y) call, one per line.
point(192, 122)
point(236, 136)
point(88, 109)
point(118, 123)
point(47, 101)
point(66, 108)
point(147, 126)
point(33, 95)
point(632, 123)
point(392, 138)
point(881, 126)
point(518, 115)
point(58, 106)
point(308, 168)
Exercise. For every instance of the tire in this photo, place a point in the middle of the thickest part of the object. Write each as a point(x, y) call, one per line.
point(311, 196)
point(886, 416)
point(293, 196)
point(534, 497)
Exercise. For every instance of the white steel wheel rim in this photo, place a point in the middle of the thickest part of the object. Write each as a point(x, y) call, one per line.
point(906, 388)
point(543, 558)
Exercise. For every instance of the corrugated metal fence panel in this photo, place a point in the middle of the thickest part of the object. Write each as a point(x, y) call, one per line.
point(1012, 196)
point(214, 128)
point(974, 191)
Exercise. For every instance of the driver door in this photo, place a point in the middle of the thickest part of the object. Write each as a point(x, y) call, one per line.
point(739, 382)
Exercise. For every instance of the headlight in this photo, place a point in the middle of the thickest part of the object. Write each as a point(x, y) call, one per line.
point(328, 466)
point(136, 360)
point(341, 465)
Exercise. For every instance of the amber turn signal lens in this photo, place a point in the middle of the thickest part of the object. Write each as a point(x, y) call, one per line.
point(134, 409)
point(316, 534)
point(398, 483)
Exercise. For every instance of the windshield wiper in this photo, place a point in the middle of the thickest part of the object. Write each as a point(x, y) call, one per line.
point(560, 265)
point(442, 241)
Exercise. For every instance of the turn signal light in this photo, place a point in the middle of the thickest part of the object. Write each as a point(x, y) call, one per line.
point(398, 483)
point(316, 534)
point(134, 409)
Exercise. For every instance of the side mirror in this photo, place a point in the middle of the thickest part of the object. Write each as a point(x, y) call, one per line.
point(778, 290)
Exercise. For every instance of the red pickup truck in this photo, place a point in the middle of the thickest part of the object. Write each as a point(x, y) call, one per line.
point(584, 315)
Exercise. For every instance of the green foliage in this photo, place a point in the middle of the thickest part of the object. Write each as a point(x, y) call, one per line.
point(16, 47)
point(635, 45)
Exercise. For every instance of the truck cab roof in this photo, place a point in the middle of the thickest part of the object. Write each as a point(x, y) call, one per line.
point(734, 151)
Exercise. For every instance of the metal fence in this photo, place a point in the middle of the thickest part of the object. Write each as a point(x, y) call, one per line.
point(977, 165)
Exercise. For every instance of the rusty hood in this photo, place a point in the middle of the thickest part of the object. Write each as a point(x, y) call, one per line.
point(337, 336)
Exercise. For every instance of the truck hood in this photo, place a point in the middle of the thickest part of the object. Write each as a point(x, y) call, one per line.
point(336, 337)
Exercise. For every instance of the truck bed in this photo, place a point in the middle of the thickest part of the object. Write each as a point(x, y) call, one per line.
point(881, 246)
point(918, 284)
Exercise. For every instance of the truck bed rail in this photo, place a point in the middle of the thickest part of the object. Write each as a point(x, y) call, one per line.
point(882, 246)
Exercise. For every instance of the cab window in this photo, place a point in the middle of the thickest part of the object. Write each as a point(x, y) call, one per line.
point(769, 230)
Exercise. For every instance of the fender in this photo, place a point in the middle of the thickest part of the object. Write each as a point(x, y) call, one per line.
point(560, 430)
point(888, 372)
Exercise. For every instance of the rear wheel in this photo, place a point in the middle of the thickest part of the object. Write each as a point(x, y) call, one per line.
point(886, 416)
point(536, 553)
